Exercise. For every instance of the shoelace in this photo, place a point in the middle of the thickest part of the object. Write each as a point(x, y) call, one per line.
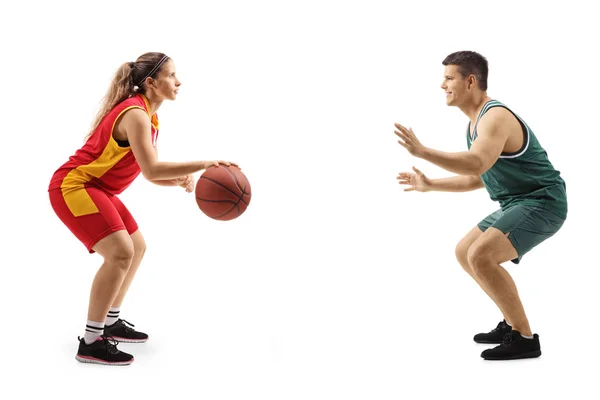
point(507, 340)
point(497, 328)
point(128, 326)
point(111, 344)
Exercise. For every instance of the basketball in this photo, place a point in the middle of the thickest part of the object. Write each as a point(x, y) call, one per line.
point(223, 192)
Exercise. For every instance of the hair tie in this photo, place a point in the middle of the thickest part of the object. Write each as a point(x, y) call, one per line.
point(132, 64)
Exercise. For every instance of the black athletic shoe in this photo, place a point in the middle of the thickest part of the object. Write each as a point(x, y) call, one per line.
point(102, 351)
point(123, 332)
point(495, 335)
point(514, 346)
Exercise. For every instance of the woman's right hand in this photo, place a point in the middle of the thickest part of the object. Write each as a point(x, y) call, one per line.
point(417, 181)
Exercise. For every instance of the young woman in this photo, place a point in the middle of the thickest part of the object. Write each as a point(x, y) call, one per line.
point(83, 193)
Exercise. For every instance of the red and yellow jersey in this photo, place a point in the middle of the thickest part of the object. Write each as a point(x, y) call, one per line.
point(102, 162)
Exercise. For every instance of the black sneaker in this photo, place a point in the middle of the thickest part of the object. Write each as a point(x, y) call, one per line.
point(514, 346)
point(102, 351)
point(495, 335)
point(123, 332)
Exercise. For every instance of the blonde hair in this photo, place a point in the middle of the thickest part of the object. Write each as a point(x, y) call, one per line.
point(128, 81)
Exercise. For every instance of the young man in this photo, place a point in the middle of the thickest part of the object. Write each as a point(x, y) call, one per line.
point(505, 157)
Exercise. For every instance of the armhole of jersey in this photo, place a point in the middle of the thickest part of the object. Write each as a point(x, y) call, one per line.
point(118, 117)
point(526, 135)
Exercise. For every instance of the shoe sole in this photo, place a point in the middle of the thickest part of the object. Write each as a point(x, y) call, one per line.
point(488, 341)
point(128, 340)
point(92, 360)
point(531, 354)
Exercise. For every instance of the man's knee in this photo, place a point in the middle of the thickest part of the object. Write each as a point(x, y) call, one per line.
point(461, 251)
point(479, 260)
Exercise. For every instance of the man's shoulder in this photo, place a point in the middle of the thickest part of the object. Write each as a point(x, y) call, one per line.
point(497, 117)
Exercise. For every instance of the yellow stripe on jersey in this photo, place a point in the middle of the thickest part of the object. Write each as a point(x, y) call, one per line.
point(73, 185)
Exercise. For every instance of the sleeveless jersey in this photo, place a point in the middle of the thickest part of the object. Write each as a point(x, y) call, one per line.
point(525, 177)
point(101, 162)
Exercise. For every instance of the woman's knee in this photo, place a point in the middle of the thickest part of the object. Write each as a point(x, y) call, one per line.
point(121, 257)
point(117, 250)
point(139, 244)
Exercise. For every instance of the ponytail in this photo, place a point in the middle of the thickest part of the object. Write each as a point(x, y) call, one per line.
point(121, 88)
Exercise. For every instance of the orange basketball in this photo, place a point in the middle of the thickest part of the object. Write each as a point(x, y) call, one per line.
point(223, 192)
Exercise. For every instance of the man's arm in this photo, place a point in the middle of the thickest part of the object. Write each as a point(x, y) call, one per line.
point(418, 181)
point(460, 183)
point(492, 135)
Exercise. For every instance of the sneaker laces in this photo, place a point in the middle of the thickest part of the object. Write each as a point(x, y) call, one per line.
point(128, 326)
point(507, 340)
point(497, 328)
point(111, 344)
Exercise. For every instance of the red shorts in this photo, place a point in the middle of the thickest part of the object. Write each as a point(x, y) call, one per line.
point(91, 214)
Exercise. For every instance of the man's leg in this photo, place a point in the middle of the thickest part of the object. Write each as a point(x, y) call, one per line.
point(462, 250)
point(486, 254)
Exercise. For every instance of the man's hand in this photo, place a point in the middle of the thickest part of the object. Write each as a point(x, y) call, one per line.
point(409, 140)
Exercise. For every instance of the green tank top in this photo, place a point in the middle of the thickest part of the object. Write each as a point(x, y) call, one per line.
point(525, 177)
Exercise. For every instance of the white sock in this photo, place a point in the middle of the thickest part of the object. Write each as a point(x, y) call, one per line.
point(527, 337)
point(93, 330)
point(508, 323)
point(113, 315)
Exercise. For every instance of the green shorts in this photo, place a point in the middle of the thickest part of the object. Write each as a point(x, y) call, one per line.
point(527, 226)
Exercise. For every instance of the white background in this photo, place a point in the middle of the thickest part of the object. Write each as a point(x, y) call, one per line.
point(335, 284)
